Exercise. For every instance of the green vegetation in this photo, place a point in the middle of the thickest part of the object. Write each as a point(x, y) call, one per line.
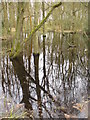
point(44, 61)
point(24, 18)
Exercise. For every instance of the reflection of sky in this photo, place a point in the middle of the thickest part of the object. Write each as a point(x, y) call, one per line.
point(41, 66)
point(0, 68)
point(54, 77)
point(0, 83)
point(77, 91)
point(55, 82)
point(80, 87)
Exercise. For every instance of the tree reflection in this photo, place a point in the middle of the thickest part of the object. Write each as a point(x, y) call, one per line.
point(38, 91)
point(64, 76)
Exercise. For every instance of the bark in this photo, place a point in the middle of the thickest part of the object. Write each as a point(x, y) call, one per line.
point(35, 29)
point(43, 21)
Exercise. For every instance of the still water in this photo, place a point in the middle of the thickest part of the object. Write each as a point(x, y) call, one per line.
point(49, 83)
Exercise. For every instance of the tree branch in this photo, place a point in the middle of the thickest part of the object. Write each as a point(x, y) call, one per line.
point(13, 55)
point(43, 21)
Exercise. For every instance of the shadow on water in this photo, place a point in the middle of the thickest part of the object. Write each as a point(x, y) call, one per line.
point(49, 83)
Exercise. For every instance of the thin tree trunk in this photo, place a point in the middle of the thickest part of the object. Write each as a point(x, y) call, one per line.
point(16, 53)
point(43, 21)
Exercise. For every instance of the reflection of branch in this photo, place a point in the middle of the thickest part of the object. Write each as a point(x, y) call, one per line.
point(32, 98)
point(17, 62)
point(3, 81)
point(82, 64)
point(41, 88)
point(80, 73)
point(54, 89)
point(47, 110)
point(6, 81)
point(42, 105)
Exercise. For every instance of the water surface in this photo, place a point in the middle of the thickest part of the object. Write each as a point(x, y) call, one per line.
point(50, 82)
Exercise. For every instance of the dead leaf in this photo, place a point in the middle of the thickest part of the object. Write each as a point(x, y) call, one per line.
point(69, 116)
point(78, 106)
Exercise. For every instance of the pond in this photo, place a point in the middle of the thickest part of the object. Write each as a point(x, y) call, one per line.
point(47, 84)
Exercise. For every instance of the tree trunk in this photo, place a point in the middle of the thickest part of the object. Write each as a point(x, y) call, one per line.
point(17, 52)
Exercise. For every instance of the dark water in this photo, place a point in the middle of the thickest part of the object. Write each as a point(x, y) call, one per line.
point(48, 83)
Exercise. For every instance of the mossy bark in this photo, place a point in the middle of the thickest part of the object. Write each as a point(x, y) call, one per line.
point(36, 28)
point(42, 22)
point(16, 48)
